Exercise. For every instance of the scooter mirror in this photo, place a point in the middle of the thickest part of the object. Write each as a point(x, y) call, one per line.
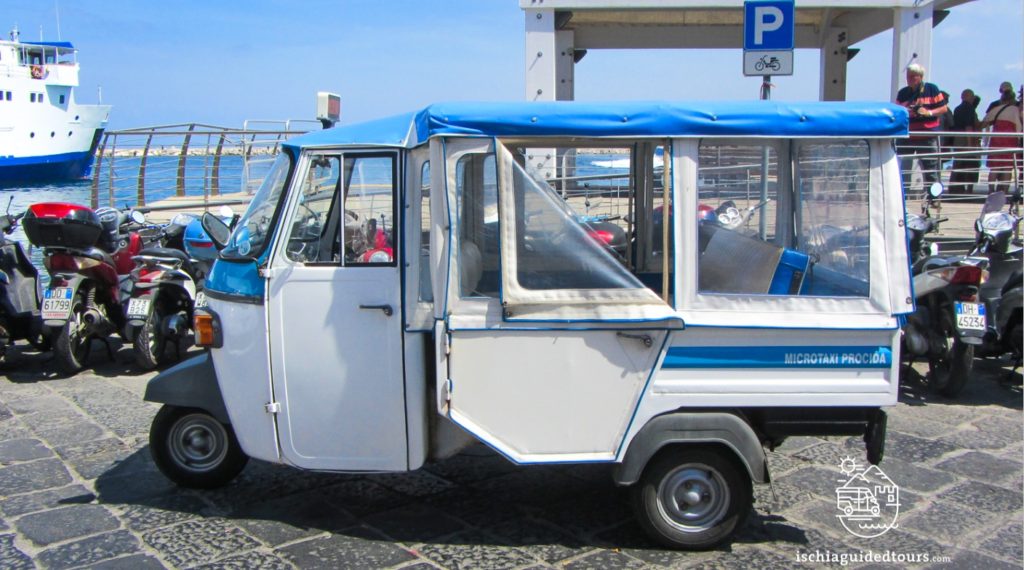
point(935, 190)
point(216, 229)
point(137, 217)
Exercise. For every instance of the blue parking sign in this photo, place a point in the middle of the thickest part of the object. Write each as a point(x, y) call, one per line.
point(768, 25)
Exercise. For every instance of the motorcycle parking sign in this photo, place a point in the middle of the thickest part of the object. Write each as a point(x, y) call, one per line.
point(768, 37)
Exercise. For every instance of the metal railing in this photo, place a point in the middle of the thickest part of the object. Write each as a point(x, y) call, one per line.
point(144, 165)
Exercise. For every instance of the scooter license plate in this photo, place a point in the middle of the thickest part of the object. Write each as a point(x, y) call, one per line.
point(56, 303)
point(138, 308)
point(970, 316)
point(200, 300)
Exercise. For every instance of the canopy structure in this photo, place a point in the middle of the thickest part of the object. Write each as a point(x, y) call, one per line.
point(620, 119)
point(559, 33)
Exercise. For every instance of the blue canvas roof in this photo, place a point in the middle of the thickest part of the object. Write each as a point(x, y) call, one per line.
point(66, 45)
point(625, 119)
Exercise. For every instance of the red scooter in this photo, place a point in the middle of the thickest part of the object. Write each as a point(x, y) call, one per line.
point(88, 255)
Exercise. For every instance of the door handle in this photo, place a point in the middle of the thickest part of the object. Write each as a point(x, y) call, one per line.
point(388, 311)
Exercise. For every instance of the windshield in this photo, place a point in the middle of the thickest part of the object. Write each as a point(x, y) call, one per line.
point(252, 233)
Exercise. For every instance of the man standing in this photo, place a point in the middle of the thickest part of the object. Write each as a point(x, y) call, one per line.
point(965, 168)
point(926, 104)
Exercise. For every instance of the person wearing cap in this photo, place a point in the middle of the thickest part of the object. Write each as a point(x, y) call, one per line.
point(926, 104)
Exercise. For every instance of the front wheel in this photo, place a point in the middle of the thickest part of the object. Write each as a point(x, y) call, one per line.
point(693, 499)
point(72, 342)
point(949, 372)
point(193, 449)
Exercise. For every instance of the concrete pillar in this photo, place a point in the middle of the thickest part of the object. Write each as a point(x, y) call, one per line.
point(911, 43)
point(833, 66)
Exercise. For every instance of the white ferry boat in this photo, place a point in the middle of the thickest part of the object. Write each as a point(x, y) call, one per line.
point(44, 134)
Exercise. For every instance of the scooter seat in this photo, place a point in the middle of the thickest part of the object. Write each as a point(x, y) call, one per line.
point(170, 253)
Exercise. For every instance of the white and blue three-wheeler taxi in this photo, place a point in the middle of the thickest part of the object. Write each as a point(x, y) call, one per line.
point(667, 287)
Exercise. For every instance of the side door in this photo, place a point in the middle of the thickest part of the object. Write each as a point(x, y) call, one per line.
point(335, 316)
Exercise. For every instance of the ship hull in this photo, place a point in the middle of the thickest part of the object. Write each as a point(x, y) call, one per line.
point(42, 169)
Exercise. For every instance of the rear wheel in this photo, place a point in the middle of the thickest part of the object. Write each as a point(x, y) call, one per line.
point(692, 498)
point(948, 374)
point(72, 344)
point(193, 449)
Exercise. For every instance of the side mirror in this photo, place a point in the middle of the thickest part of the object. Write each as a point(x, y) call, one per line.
point(137, 217)
point(218, 231)
point(935, 190)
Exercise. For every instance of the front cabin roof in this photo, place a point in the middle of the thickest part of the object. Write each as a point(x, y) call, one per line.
point(634, 119)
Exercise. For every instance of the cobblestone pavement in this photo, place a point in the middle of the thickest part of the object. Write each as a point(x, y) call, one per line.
point(78, 489)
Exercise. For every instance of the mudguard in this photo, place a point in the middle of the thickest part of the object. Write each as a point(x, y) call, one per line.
point(190, 384)
point(693, 427)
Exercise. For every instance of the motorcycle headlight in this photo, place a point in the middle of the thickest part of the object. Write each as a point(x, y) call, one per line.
point(380, 257)
point(730, 217)
point(4, 279)
point(997, 222)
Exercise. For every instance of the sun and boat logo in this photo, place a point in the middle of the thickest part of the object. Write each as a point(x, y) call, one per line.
point(868, 501)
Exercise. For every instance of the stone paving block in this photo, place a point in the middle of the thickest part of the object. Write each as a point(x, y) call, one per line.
point(828, 454)
point(66, 434)
point(990, 433)
point(254, 559)
point(23, 449)
point(14, 429)
point(1008, 541)
point(261, 480)
point(749, 557)
point(122, 486)
point(786, 495)
point(975, 494)
point(162, 511)
point(89, 550)
point(780, 463)
point(311, 510)
point(585, 515)
point(5, 412)
point(604, 560)
point(915, 449)
point(918, 427)
point(915, 476)
point(418, 483)
point(273, 532)
point(981, 466)
point(473, 550)
point(11, 557)
point(898, 541)
point(533, 485)
point(949, 522)
point(198, 541)
point(356, 547)
point(65, 523)
point(816, 480)
point(34, 476)
point(48, 499)
point(362, 497)
point(538, 539)
point(133, 562)
point(101, 446)
point(46, 403)
point(476, 507)
point(414, 523)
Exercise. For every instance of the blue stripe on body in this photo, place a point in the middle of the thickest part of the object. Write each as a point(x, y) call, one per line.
point(778, 357)
point(53, 167)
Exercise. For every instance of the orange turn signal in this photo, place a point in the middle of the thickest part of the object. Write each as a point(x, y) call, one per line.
point(203, 326)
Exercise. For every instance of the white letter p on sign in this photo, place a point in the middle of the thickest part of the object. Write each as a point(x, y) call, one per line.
point(766, 19)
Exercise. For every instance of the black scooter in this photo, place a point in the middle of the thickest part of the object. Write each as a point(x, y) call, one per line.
point(1002, 293)
point(20, 292)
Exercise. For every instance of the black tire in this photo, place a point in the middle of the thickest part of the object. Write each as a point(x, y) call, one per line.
point(719, 486)
point(949, 374)
point(1015, 338)
point(149, 343)
point(193, 449)
point(72, 343)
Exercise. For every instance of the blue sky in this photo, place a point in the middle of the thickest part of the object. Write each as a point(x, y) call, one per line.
point(223, 62)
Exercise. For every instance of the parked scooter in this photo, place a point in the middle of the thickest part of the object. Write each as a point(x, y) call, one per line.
point(163, 297)
point(20, 291)
point(948, 320)
point(88, 255)
point(994, 232)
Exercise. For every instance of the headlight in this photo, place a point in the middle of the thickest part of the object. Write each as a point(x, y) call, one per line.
point(4, 279)
point(380, 256)
point(730, 218)
point(997, 222)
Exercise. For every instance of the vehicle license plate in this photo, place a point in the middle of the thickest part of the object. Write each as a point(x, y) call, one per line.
point(200, 300)
point(138, 308)
point(56, 303)
point(970, 316)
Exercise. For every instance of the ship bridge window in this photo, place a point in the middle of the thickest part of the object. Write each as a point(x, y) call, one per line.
point(32, 97)
point(61, 99)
